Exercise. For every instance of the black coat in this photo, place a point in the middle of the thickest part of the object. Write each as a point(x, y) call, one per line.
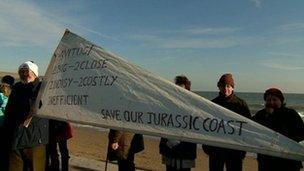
point(184, 150)
point(21, 99)
point(287, 122)
point(238, 106)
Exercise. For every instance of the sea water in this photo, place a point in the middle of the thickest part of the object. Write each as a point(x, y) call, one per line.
point(256, 102)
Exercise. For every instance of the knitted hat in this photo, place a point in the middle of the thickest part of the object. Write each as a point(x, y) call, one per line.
point(274, 92)
point(226, 79)
point(8, 80)
point(30, 65)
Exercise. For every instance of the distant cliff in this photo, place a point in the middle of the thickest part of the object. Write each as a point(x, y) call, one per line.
point(2, 73)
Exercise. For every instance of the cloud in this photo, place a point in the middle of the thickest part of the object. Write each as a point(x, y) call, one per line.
point(202, 31)
point(184, 41)
point(291, 27)
point(22, 24)
point(214, 31)
point(25, 24)
point(288, 67)
point(283, 61)
point(195, 37)
point(257, 3)
point(145, 37)
point(286, 55)
point(95, 32)
point(285, 38)
point(177, 42)
point(200, 43)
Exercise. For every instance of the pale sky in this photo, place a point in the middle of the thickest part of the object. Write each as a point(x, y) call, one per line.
point(259, 41)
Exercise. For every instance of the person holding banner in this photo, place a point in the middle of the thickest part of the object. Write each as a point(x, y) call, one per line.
point(218, 157)
point(26, 134)
point(283, 120)
point(178, 155)
point(122, 147)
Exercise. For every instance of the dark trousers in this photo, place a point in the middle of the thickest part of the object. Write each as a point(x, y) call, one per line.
point(276, 167)
point(127, 164)
point(3, 152)
point(232, 164)
point(53, 156)
point(169, 168)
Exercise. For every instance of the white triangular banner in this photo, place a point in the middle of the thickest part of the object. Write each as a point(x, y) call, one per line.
point(86, 84)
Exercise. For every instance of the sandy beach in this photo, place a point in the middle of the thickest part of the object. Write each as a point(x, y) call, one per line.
point(91, 144)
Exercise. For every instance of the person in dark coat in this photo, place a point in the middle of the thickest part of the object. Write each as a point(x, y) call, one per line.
point(60, 133)
point(178, 155)
point(26, 134)
point(122, 147)
point(218, 157)
point(6, 85)
point(283, 120)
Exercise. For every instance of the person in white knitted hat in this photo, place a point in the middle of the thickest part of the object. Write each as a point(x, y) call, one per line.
point(28, 71)
point(27, 135)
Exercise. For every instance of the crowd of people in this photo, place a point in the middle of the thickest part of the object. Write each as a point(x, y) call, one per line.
point(30, 142)
point(180, 156)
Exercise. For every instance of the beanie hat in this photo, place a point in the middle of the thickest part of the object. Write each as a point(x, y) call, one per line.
point(226, 79)
point(30, 65)
point(8, 80)
point(274, 92)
